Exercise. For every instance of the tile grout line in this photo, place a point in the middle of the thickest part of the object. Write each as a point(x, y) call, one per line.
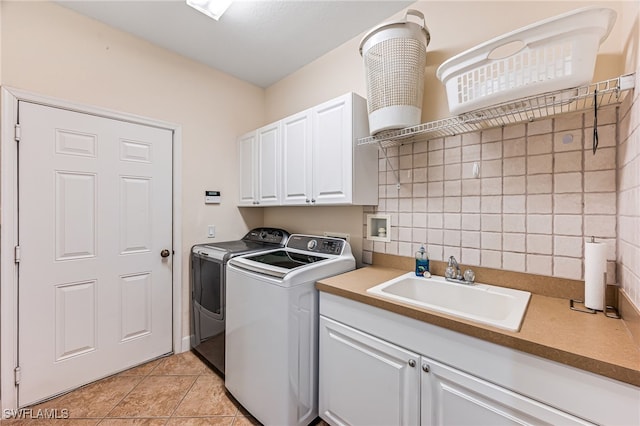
point(106, 416)
point(171, 416)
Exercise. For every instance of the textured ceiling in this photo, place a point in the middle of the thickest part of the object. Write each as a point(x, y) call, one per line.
point(257, 41)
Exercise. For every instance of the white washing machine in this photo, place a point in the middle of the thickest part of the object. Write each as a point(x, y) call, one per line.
point(272, 327)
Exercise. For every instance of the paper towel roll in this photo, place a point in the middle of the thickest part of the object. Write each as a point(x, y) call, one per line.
point(595, 267)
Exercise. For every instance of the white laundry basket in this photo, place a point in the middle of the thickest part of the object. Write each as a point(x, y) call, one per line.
point(554, 54)
point(394, 55)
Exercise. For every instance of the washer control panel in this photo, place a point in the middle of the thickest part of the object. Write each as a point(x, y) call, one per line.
point(323, 245)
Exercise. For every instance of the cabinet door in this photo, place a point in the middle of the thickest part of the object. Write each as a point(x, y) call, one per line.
point(451, 397)
point(296, 159)
point(364, 380)
point(268, 145)
point(332, 151)
point(247, 156)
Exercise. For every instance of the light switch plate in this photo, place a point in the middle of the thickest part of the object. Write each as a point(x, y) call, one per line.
point(211, 231)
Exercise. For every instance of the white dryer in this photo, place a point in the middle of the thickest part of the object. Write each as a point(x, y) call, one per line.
point(272, 327)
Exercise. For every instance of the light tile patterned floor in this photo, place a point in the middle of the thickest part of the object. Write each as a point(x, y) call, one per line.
point(176, 390)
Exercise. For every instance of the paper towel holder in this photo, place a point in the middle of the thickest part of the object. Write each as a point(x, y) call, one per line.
point(609, 311)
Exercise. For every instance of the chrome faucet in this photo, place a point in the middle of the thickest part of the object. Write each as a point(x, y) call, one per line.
point(454, 274)
point(455, 271)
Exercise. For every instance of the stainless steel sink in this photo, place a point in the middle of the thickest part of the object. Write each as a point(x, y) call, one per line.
point(483, 303)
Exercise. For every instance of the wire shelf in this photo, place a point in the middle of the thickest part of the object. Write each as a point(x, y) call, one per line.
point(596, 95)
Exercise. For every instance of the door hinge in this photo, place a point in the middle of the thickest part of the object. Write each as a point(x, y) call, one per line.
point(17, 375)
point(18, 133)
point(16, 254)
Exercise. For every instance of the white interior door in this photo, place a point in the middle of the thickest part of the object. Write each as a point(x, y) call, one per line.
point(95, 212)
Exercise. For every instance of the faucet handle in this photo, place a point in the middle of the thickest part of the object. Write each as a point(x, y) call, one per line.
point(452, 261)
point(450, 272)
point(469, 276)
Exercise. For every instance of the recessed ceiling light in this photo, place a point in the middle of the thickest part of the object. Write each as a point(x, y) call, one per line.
point(212, 8)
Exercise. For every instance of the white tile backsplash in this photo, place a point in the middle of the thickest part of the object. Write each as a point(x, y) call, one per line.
point(540, 224)
point(471, 222)
point(539, 264)
point(471, 153)
point(567, 182)
point(600, 226)
point(540, 184)
point(491, 150)
point(514, 223)
point(491, 222)
point(515, 148)
point(567, 141)
point(514, 203)
point(539, 164)
point(540, 144)
point(515, 166)
point(566, 267)
point(540, 127)
point(540, 194)
point(514, 185)
point(601, 160)
point(514, 242)
point(514, 261)
point(567, 224)
point(539, 203)
point(491, 259)
point(539, 244)
point(567, 162)
point(568, 246)
point(600, 181)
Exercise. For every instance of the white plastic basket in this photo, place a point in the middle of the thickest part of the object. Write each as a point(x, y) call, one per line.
point(554, 54)
point(394, 56)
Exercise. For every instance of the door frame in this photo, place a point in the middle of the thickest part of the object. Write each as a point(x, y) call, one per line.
point(9, 98)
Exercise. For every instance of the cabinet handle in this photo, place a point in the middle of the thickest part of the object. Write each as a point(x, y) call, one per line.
point(425, 368)
point(412, 363)
point(313, 201)
point(308, 200)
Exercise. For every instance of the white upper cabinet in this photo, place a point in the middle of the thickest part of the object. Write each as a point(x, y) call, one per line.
point(296, 159)
point(247, 155)
point(269, 164)
point(319, 160)
point(259, 154)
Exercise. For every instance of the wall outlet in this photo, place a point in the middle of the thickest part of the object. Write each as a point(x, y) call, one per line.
point(211, 231)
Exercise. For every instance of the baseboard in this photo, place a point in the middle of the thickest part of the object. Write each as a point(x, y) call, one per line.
point(186, 344)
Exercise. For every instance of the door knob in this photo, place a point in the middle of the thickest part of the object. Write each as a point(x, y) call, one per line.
point(165, 253)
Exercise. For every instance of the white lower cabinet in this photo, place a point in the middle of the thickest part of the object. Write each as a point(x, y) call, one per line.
point(365, 380)
point(452, 397)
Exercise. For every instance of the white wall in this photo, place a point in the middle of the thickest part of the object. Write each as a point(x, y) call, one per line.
point(454, 27)
point(53, 51)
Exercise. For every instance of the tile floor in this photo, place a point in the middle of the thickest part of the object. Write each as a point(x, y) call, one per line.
point(176, 390)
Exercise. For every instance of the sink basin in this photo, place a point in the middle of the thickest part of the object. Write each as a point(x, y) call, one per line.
point(483, 303)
